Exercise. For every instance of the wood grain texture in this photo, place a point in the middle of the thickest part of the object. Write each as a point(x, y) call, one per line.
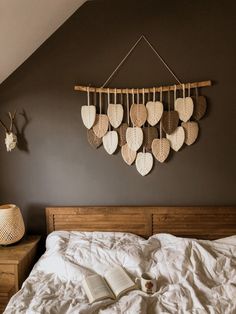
point(198, 222)
point(5, 294)
point(105, 90)
point(16, 262)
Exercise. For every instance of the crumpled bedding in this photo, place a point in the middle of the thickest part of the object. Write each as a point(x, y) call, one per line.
point(193, 276)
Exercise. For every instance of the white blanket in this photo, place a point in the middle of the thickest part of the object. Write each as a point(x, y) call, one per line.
point(194, 276)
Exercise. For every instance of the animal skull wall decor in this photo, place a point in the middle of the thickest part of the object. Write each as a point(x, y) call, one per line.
point(11, 138)
point(10, 141)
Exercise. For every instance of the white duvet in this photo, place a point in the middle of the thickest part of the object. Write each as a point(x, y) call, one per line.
point(193, 276)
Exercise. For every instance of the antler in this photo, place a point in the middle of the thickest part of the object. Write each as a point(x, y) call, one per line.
point(11, 117)
point(4, 126)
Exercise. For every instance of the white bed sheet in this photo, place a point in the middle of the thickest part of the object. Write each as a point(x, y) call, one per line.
point(194, 276)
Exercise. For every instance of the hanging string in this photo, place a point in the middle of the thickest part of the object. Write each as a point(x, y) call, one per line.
point(161, 95)
point(196, 92)
point(115, 96)
point(127, 106)
point(160, 130)
point(137, 93)
point(188, 89)
point(108, 101)
point(95, 98)
point(143, 97)
point(153, 95)
point(183, 90)
point(142, 37)
point(133, 103)
point(121, 98)
point(168, 100)
point(161, 59)
point(175, 94)
point(88, 98)
point(108, 96)
point(100, 102)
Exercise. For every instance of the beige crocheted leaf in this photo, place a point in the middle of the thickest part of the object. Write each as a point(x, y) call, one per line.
point(161, 149)
point(115, 114)
point(88, 114)
point(191, 131)
point(134, 138)
point(200, 107)
point(110, 142)
point(101, 125)
point(170, 121)
point(154, 112)
point(176, 138)
point(122, 133)
point(138, 114)
point(184, 106)
point(93, 140)
point(144, 163)
point(149, 134)
point(128, 154)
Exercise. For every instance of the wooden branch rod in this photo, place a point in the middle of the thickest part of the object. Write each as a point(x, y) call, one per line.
point(141, 90)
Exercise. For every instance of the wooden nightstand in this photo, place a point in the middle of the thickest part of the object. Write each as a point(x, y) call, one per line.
point(16, 262)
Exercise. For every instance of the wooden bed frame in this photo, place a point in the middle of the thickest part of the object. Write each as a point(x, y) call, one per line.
point(196, 222)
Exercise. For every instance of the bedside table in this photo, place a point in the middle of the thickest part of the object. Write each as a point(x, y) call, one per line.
point(16, 262)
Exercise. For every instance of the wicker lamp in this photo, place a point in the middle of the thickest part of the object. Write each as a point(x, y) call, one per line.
point(12, 226)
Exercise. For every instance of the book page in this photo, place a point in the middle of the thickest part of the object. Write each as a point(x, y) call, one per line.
point(96, 288)
point(119, 280)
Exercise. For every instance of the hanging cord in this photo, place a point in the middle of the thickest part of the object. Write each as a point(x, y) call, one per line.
point(189, 93)
point(196, 93)
point(100, 102)
point(108, 102)
point(95, 98)
point(115, 97)
point(133, 104)
point(108, 97)
point(183, 85)
point(184, 97)
point(161, 95)
point(175, 95)
point(160, 130)
point(127, 106)
point(161, 118)
point(121, 98)
point(161, 59)
point(169, 109)
point(88, 96)
point(168, 99)
point(153, 95)
point(131, 50)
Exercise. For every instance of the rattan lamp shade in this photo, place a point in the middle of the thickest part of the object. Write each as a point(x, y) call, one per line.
point(12, 226)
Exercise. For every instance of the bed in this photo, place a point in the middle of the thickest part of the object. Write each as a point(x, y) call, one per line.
point(191, 250)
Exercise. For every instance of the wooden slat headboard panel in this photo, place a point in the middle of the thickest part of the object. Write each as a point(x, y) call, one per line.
point(197, 222)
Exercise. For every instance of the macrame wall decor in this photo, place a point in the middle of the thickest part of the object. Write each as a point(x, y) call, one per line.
point(139, 122)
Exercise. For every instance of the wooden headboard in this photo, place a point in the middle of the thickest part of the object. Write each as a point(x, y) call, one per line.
point(196, 222)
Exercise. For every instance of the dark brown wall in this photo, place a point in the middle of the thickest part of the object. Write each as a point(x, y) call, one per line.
point(197, 38)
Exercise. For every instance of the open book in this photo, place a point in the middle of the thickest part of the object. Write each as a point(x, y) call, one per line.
point(114, 283)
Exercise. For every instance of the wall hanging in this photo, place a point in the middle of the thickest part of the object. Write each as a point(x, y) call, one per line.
point(11, 138)
point(139, 121)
